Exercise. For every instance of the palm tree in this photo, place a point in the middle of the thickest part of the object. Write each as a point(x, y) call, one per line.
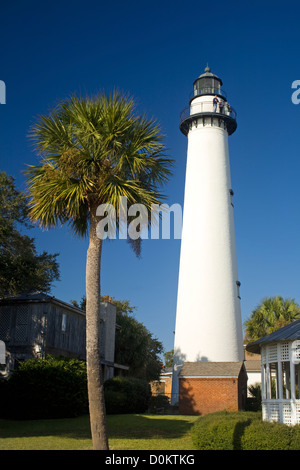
point(272, 314)
point(93, 151)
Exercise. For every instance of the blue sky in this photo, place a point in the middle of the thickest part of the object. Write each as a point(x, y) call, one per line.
point(154, 51)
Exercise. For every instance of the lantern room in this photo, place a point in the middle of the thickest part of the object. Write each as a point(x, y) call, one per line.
point(208, 106)
point(208, 84)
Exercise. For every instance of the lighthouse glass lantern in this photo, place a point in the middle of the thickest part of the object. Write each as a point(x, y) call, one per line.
point(208, 83)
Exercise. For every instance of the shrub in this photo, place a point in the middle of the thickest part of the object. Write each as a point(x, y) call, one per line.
point(47, 388)
point(158, 402)
point(221, 430)
point(3, 394)
point(126, 395)
point(243, 431)
point(295, 441)
point(253, 403)
point(264, 435)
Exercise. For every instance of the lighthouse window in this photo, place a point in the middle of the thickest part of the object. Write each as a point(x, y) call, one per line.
point(238, 284)
point(231, 196)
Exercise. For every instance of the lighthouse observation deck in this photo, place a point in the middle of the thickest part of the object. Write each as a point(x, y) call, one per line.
point(204, 113)
point(208, 106)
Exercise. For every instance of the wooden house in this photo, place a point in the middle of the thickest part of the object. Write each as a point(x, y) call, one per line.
point(35, 325)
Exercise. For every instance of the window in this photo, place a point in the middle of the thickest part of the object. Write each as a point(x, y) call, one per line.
point(21, 324)
point(64, 322)
point(231, 196)
point(238, 284)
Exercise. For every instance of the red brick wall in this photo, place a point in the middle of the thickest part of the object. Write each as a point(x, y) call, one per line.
point(201, 395)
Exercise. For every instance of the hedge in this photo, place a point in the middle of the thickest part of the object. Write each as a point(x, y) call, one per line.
point(126, 395)
point(243, 431)
point(57, 388)
point(45, 388)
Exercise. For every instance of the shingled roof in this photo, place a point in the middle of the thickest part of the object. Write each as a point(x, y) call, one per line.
point(33, 297)
point(211, 369)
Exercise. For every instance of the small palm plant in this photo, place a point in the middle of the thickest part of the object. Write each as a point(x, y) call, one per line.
point(272, 314)
point(94, 151)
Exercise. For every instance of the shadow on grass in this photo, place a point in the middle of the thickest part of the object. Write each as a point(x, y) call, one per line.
point(150, 426)
point(119, 426)
point(239, 431)
point(73, 428)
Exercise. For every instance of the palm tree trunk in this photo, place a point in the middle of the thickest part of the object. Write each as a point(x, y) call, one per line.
point(94, 373)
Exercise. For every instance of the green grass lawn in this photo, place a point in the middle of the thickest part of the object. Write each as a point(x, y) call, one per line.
point(126, 432)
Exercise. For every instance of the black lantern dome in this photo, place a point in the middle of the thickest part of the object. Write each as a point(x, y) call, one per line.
point(208, 84)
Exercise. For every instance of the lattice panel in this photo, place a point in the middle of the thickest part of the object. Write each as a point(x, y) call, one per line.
point(21, 324)
point(5, 325)
point(287, 413)
point(264, 412)
point(284, 352)
point(272, 353)
point(273, 412)
point(264, 354)
point(297, 413)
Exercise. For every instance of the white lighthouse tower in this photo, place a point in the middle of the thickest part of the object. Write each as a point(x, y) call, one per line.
point(208, 319)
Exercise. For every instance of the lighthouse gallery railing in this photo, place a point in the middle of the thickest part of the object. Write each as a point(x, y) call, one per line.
point(207, 107)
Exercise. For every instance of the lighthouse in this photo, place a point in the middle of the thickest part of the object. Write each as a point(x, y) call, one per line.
point(208, 319)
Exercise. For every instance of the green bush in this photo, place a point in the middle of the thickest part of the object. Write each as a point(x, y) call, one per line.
point(47, 388)
point(253, 403)
point(264, 435)
point(243, 431)
point(220, 431)
point(3, 394)
point(158, 402)
point(295, 442)
point(126, 395)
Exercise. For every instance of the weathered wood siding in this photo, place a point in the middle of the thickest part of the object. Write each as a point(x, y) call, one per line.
point(37, 328)
point(70, 340)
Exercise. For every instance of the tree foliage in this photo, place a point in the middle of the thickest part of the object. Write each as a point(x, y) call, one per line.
point(135, 346)
point(95, 151)
point(22, 269)
point(169, 358)
point(272, 313)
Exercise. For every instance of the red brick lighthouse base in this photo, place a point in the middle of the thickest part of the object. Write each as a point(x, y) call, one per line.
point(207, 387)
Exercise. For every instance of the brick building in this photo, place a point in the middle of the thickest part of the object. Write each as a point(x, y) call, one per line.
point(207, 387)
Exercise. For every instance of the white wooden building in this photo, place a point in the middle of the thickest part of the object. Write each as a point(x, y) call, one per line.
point(280, 373)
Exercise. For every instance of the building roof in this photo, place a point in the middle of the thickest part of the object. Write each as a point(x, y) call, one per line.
point(208, 73)
point(286, 333)
point(211, 369)
point(252, 366)
point(167, 371)
point(38, 297)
